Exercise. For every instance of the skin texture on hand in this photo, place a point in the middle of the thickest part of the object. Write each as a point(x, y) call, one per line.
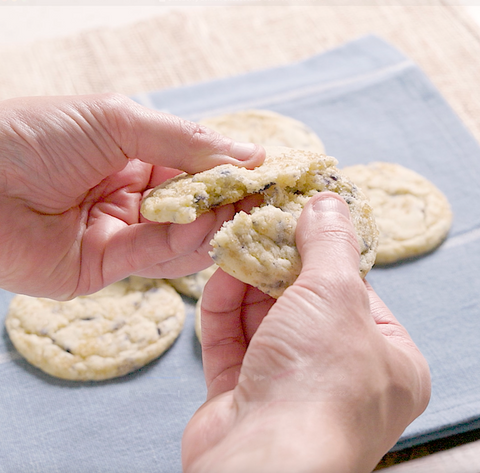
point(73, 171)
point(323, 380)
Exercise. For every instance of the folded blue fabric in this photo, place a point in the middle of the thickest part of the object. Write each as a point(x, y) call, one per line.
point(367, 102)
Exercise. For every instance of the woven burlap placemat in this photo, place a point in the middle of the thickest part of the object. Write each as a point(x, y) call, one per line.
point(202, 43)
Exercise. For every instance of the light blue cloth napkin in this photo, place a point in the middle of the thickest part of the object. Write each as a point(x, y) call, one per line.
point(367, 102)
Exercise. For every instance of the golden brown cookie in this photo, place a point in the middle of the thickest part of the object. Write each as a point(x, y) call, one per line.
point(107, 334)
point(413, 216)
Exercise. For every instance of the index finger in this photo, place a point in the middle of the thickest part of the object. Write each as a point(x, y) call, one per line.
point(167, 140)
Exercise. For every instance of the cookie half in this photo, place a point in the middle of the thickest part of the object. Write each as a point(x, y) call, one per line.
point(105, 335)
point(184, 197)
point(266, 128)
point(412, 214)
point(259, 248)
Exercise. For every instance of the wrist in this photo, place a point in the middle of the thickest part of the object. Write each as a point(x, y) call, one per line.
point(295, 436)
point(284, 437)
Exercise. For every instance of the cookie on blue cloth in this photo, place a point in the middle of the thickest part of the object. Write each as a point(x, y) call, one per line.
point(413, 216)
point(104, 335)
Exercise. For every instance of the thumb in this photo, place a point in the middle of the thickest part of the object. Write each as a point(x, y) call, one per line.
point(326, 239)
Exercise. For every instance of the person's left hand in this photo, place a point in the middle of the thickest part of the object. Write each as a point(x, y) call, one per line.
point(73, 171)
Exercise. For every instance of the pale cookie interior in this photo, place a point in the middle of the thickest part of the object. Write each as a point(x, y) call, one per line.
point(183, 198)
point(259, 126)
point(107, 334)
point(259, 248)
point(412, 214)
point(266, 128)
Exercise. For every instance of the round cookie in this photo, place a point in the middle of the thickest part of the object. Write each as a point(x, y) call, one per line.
point(183, 198)
point(413, 216)
point(266, 128)
point(192, 285)
point(104, 335)
point(259, 248)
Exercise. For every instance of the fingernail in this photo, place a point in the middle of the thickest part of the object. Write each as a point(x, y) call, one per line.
point(331, 204)
point(243, 151)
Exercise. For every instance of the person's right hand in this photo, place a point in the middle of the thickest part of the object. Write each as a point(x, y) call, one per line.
point(322, 380)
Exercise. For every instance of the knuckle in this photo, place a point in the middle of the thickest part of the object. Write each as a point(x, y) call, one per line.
point(111, 99)
point(340, 236)
point(179, 242)
point(335, 283)
point(343, 283)
point(199, 136)
point(108, 106)
point(112, 110)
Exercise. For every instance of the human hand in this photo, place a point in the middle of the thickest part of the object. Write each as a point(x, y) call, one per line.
point(73, 171)
point(322, 380)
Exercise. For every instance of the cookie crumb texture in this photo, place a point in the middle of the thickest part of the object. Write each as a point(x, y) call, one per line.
point(105, 335)
point(259, 247)
point(413, 216)
point(185, 197)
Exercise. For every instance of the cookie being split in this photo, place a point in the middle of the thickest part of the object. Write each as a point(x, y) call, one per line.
point(257, 126)
point(259, 247)
point(107, 334)
point(412, 214)
point(266, 128)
